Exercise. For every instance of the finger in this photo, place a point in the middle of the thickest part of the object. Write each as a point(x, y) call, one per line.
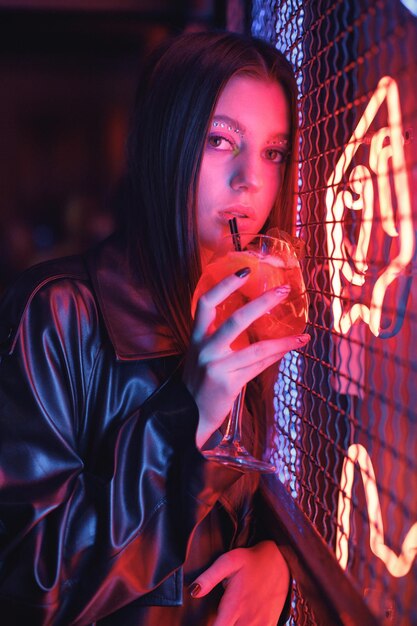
point(246, 374)
point(258, 359)
point(254, 359)
point(262, 350)
point(261, 353)
point(248, 313)
point(222, 568)
point(206, 306)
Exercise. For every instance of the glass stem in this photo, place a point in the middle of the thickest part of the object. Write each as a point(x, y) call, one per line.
point(234, 424)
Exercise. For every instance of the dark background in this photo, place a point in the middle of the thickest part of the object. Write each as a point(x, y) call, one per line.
point(68, 74)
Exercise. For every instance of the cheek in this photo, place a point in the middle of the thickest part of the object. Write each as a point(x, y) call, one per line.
point(205, 184)
point(211, 187)
point(202, 196)
point(272, 186)
point(276, 180)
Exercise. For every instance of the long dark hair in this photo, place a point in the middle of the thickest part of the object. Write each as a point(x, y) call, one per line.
point(178, 91)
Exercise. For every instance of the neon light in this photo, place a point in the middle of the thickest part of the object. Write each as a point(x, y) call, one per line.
point(386, 155)
point(411, 6)
point(397, 566)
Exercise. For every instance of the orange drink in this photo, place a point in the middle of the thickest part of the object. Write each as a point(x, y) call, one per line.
point(271, 265)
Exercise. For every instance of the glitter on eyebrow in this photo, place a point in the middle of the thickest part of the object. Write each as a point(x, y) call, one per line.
point(226, 125)
point(280, 142)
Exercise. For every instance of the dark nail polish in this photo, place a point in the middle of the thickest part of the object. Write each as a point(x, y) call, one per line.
point(243, 272)
point(194, 589)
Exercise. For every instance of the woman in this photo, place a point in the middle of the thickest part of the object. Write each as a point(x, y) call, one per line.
point(110, 514)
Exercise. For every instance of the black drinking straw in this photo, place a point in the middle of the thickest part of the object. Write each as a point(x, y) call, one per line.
point(235, 234)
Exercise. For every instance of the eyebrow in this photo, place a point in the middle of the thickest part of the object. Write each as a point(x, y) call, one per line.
point(281, 138)
point(233, 124)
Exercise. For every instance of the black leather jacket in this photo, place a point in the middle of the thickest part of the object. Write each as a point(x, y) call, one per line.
point(102, 486)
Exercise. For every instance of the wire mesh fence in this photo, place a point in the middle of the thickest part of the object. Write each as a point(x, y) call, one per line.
point(346, 406)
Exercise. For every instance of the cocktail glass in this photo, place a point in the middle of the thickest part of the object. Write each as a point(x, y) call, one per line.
point(273, 262)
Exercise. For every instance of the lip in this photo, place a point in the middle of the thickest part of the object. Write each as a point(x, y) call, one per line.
point(239, 211)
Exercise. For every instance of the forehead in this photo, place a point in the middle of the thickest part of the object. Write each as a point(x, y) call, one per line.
point(255, 103)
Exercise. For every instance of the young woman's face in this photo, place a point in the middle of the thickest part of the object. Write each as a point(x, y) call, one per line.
point(243, 160)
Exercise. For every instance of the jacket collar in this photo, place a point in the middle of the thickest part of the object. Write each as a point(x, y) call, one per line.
point(134, 326)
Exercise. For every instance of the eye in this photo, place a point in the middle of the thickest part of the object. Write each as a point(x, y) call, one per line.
point(221, 143)
point(276, 155)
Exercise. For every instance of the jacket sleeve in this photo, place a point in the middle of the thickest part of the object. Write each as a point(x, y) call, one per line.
point(79, 540)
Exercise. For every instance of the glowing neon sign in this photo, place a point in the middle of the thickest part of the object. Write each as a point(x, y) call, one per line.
point(357, 193)
point(396, 565)
point(385, 173)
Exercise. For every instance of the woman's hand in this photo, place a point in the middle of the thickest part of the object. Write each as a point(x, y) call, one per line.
point(213, 372)
point(256, 582)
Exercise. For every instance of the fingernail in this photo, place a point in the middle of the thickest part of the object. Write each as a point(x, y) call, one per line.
point(194, 590)
point(283, 290)
point(242, 272)
point(303, 338)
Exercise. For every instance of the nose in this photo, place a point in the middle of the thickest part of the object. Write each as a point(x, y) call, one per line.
point(246, 174)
